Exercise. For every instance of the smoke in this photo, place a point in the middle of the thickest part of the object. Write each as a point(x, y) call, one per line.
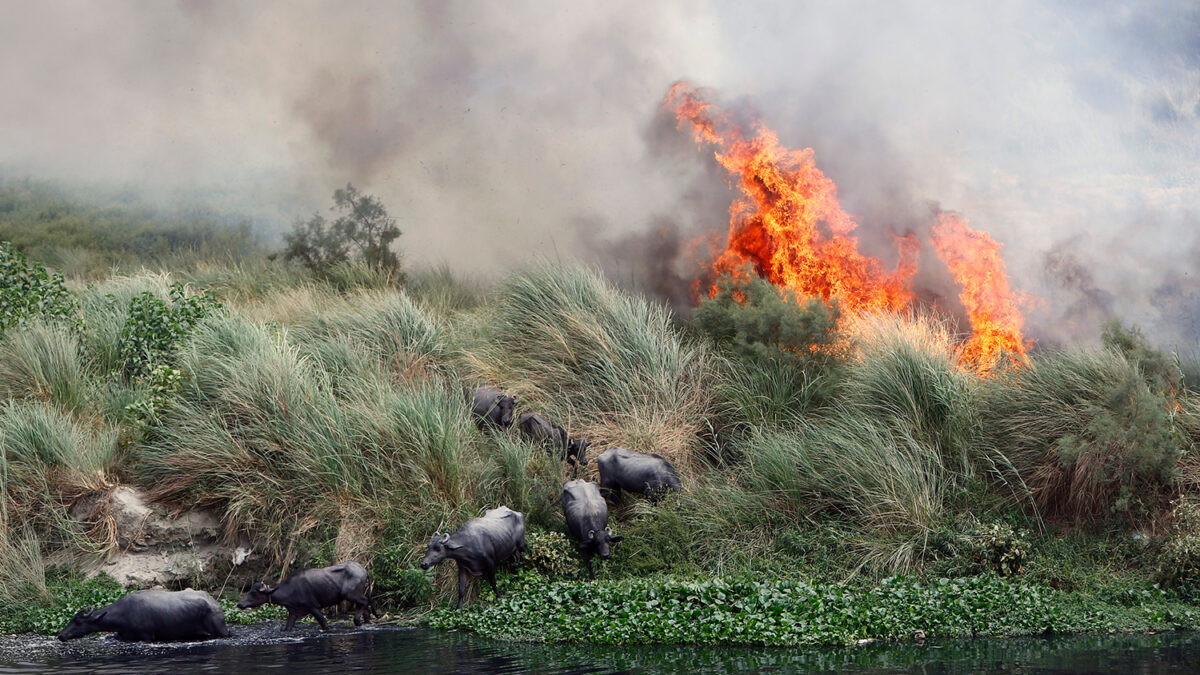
point(500, 133)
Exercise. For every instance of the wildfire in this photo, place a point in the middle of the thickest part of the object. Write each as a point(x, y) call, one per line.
point(974, 259)
point(789, 226)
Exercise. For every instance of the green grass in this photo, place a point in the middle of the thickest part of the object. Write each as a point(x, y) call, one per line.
point(329, 419)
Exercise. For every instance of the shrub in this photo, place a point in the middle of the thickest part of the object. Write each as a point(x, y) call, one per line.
point(756, 319)
point(1087, 433)
point(154, 328)
point(549, 554)
point(1179, 564)
point(28, 291)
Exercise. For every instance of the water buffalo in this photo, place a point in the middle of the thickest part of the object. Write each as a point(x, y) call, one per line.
point(492, 408)
point(478, 546)
point(307, 591)
point(587, 520)
point(153, 616)
point(537, 428)
point(624, 469)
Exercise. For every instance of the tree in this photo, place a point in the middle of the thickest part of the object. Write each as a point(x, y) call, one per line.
point(363, 231)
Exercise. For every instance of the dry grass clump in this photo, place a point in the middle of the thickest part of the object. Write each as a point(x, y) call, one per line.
point(611, 366)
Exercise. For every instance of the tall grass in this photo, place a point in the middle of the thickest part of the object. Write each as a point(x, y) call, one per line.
point(42, 362)
point(611, 365)
point(1089, 433)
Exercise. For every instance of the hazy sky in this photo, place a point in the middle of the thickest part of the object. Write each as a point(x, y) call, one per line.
point(495, 131)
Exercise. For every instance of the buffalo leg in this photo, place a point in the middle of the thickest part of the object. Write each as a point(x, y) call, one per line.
point(320, 618)
point(591, 574)
point(291, 620)
point(363, 611)
point(216, 626)
point(462, 585)
point(490, 575)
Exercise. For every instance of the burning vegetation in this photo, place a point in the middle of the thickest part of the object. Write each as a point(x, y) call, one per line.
point(789, 228)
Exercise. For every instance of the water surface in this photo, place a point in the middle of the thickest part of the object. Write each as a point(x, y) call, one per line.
point(389, 649)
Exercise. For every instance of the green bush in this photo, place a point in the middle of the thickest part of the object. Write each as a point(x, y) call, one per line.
point(1089, 435)
point(28, 291)
point(756, 319)
point(1179, 564)
point(153, 328)
point(549, 554)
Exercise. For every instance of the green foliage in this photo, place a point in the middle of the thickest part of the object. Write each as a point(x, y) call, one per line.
point(756, 319)
point(154, 328)
point(364, 231)
point(155, 398)
point(1179, 563)
point(549, 554)
point(999, 548)
point(28, 291)
point(748, 612)
point(1088, 433)
point(69, 592)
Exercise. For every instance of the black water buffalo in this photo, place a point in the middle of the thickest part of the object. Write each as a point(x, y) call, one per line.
point(307, 591)
point(478, 546)
point(587, 520)
point(624, 469)
point(492, 407)
point(153, 616)
point(537, 428)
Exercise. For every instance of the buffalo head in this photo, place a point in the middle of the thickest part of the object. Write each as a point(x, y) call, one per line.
point(258, 595)
point(85, 622)
point(439, 546)
point(601, 539)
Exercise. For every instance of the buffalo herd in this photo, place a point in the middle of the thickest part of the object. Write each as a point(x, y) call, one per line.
point(478, 547)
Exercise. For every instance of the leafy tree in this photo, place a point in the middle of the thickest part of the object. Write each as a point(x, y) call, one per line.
point(363, 231)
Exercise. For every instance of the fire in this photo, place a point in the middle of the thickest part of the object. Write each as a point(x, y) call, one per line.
point(992, 307)
point(788, 223)
point(789, 227)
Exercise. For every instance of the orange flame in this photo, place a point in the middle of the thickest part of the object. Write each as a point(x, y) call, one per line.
point(789, 226)
point(992, 307)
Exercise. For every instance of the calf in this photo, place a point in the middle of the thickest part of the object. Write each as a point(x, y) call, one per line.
point(153, 616)
point(307, 591)
point(623, 469)
point(478, 546)
point(537, 428)
point(587, 521)
point(492, 408)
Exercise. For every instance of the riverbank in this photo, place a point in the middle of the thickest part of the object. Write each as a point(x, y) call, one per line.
point(324, 419)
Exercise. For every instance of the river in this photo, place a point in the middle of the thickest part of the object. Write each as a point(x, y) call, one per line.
point(386, 649)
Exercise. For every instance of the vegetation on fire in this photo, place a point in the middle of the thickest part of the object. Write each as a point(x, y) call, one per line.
point(869, 487)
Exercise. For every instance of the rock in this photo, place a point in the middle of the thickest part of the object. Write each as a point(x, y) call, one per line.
point(158, 549)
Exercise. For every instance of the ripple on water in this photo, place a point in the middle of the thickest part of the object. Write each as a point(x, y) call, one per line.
point(392, 649)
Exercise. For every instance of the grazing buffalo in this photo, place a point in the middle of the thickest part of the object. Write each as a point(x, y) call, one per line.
point(478, 546)
point(623, 469)
point(153, 616)
point(307, 591)
point(587, 520)
point(493, 408)
point(537, 428)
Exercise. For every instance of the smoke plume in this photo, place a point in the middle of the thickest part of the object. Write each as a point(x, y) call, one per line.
point(501, 133)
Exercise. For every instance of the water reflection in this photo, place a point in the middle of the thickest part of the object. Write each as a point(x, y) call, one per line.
point(384, 649)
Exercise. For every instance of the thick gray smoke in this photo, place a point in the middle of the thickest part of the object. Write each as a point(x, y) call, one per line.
point(500, 133)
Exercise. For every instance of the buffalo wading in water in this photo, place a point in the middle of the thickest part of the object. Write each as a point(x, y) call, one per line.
point(479, 546)
point(587, 521)
point(538, 429)
point(622, 469)
point(153, 616)
point(307, 591)
point(492, 408)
